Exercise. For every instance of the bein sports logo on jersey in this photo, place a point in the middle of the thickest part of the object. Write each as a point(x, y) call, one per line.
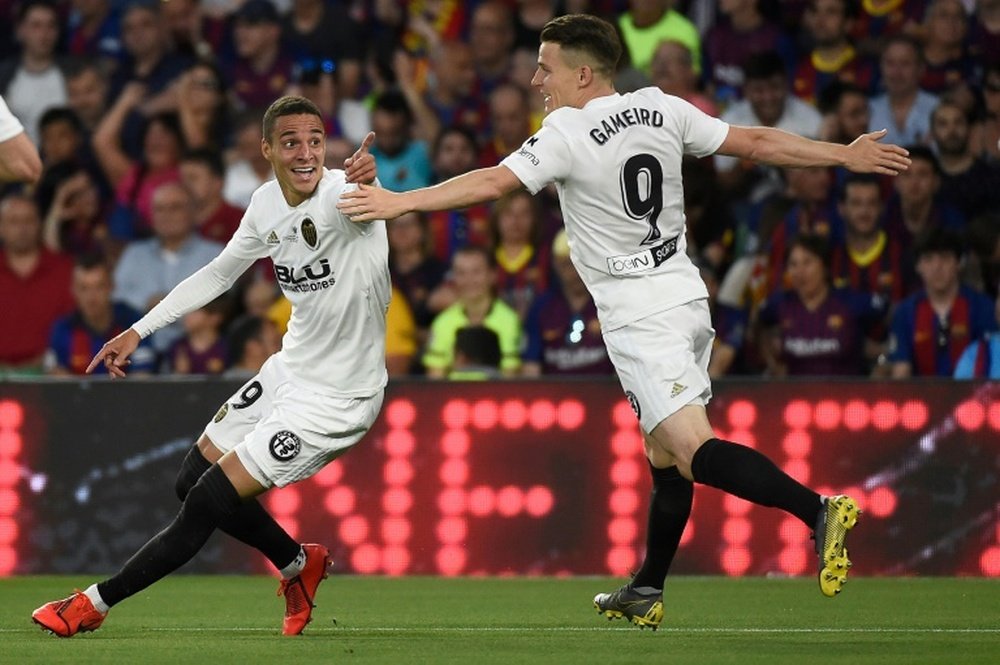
point(285, 445)
point(647, 259)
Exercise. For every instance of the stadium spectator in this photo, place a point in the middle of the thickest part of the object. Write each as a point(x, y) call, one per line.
point(202, 173)
point(833, 56)
point(149, 269)
point(455, 154)
point(77, 337)
point(932, 328)
point(845, 110)
point(34, 82)
point(983, 239)
point(946, 54)
point(767, 103)
point(491, 36)
point(917, 205)
point(19, 160)
point(193, 32)
point(325, 32)
point(87, 90)
point(401, 339)
point(710, 226)
point(530, 16)
point(75, 221)
point(134, 181)
point(148, 72)
point(522, 259)
point(347, 120)
point(474, 275)
point(202, 347)
point(813, 329)
point(878, 21)
point(989, 135)
point(450, 96)
point(418, 274)
point(510, 123)
point(869, 260)
point(672, 71)
point(402, 161)
point(34, 286)
point(903, 109)
point(263, 67)
point(985, 34)
point(649, 22)
point(61, 137)
point(813, 211)
point(741, 32)
point(94, 30)
point(477, 355)
point(967, 180)
point(981, 359)
point(248, 169)
point(203, 107)
point(562, 331)
point(250, 341)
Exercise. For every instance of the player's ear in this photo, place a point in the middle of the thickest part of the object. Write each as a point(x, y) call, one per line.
point(584, 75)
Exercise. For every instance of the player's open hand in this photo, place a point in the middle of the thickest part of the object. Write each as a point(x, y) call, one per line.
point(368, 203)
point(114, 354)
point(867, 155)
point(360, 167)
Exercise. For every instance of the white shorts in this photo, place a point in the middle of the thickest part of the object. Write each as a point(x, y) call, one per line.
point(283, 432)
point(662, 361)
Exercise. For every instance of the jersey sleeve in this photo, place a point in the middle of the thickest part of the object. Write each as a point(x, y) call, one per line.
point(545, 157)
point(965, 368)
point(701, 133)
point(533, 333)
point(9, 125)
point(901, 334)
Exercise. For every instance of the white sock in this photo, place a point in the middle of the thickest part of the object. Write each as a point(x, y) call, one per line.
point(297, 565)
point(95, 598)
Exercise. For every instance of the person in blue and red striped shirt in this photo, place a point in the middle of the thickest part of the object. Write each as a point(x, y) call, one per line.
point(931, 328)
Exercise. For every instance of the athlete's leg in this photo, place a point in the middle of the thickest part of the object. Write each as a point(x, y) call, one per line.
point(216, 496)
point(732, 467)
point(669, 509)
point(251, 523)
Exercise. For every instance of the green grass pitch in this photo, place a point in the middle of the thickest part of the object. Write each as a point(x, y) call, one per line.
point(473, 621)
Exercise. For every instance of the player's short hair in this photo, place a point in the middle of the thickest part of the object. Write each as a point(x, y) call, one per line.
point(287, 105)
point(939, 240)
point(592, 36)
point(859, 179)
point(207, 157)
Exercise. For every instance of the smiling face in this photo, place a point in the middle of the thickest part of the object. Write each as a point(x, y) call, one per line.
point(296, 150)
point(556, 77)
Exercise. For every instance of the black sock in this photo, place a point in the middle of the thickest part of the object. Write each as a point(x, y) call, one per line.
point(250, 524)
point(669, 508)
point(211, 500)
point(750, 475)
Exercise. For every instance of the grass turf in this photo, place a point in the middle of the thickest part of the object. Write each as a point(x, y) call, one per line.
point(194, 619)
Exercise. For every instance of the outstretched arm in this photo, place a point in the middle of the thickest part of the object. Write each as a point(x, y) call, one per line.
point(779, 148)
point(468, 189)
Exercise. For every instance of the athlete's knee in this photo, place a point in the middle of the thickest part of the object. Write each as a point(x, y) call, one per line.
point(192, 468)
point(213, 498)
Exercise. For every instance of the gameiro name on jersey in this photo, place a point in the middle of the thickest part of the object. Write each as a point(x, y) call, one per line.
point(616, 164)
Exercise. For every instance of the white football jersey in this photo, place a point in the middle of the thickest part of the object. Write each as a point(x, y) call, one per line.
point(335, 273)
point(616, 164)
point(9, 125)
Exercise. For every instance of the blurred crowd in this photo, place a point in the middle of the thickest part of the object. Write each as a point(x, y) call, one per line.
point(147, 114)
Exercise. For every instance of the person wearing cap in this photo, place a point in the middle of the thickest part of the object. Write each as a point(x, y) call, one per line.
point(263, 67)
